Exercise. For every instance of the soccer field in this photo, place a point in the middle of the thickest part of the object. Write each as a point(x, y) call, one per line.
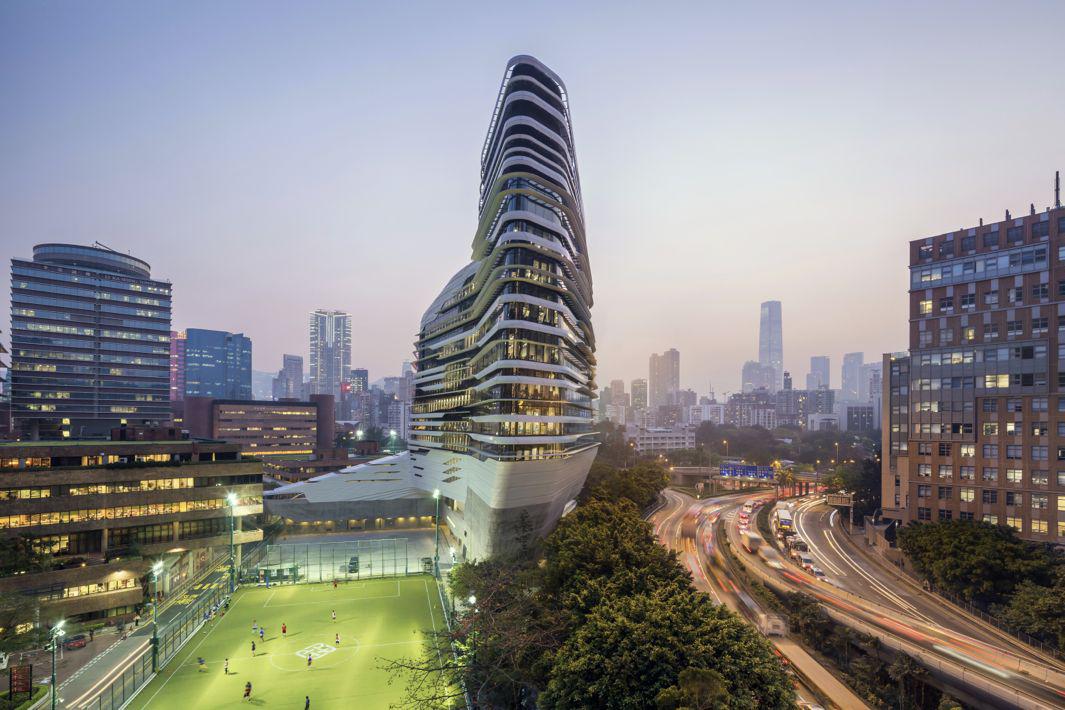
point(377, 620)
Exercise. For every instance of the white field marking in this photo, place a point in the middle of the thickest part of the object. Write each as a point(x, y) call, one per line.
point(343, 599)
point(192, 652)
point(268, 598)
point(315, 651)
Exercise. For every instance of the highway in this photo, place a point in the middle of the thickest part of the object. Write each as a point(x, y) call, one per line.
point(817, 524)
point(688, 526)
point(990, 669)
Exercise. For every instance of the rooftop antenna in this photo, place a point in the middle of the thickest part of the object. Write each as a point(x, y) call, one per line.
point(1057, 188)
point(1031, 206)
point(104, 246)
point(1007, 215)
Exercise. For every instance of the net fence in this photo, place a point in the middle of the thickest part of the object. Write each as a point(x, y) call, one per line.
point(292, 563)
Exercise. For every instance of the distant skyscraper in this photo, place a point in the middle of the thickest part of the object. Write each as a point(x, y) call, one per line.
point(819, 373)
point(289, 381)
point(90, 341)
point(639, 394)
point(851, 377)
point(360, 380)
point(869, 379)
point(177, 366)
point(771, 343)
point(664, 380)
point(756, 376)
point(330, 334)
point(217, 364)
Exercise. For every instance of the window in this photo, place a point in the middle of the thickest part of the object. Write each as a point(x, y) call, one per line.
point(944, 492)
point(1061, 478)
point(968, 473)
point(1015, 523)
point(1014, 327)
point(945, 514)
point(989, 496)
point(1014, 498)
point(966, 495)
point(946, 471)
point(1039, 453)
point(992, 519)
point(1015, 404)
point(1014, 475)
point(1015, 295)
point(990, 331)
point(924, 252)
point(968, 244)
point(924, 470)
point(924, 513)
point(990, 239)
point(1039, 526)
point(946, 336)
point(924, 338)
point(944, 449)
point(1061, 288)
point(1014, 235)
point(924, 307)
point(968, 301)
point(965, 515)
point(968, 334)
point(1040, 230)
point(946, 304)
point(1061, 503)
point(991, 452)
point(1039, 478)
point(1040, 501)
point(990, 473)
point(1040, 326)
point(991, 297)
point(924, 491)
point(1041, 291)
point(1014, 451)
point(1039, 404)
point(924, 448)
point(989, 405)
point(967, 450)
point(1061, 453)
point(946, 249)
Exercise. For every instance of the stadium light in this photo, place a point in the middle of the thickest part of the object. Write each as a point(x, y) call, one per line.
point(436, 546)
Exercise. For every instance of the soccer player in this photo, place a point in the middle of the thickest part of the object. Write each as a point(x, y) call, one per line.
point(338, 641)
point(202, 663)
point(254, 626)
point(306, 702)
point(308, 660)
point(284, 630)
point(262, 634)
point(334, 587)
point(334, 616)
point(227, 667)
point(247, 691)
point(253, 649)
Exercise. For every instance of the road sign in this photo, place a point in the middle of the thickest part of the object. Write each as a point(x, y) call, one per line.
point(739, 470)
point(20, 679)
point(841, 499)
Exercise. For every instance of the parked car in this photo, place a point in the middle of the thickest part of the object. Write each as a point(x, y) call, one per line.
point(78, 641)
point(353, 565)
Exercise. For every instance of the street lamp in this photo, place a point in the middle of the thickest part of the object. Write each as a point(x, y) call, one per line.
point(156, 569)
point(436, 547)
point(232, 498)
point(359, 434)
point(56, 634)
point(725, 442)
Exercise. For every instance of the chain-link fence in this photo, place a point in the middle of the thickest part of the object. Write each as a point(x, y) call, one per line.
point(292, 563)
point(172, 637)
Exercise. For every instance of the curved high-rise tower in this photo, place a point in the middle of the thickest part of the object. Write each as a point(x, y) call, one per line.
point(501, 420)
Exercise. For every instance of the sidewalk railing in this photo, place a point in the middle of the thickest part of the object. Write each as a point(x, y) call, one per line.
point(138, 671)
point(979, 613)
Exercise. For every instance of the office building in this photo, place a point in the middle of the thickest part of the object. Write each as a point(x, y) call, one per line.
point(289, 381)
point(756, 408)
point(638, 394)
point(664, 377)
point(858, 418)
point(217, 364)
point(264, 429)
point(504, 379)
point(90, 342)
point(330, 336)
point(851, 377)
point(177, 366)
point(661, 439)
point(869, 381)
point(756, 376)
point(983, 387)
point(819, 375)
point(104, 510)
point(771, 343)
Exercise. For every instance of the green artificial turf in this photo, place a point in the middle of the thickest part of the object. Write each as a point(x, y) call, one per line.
point(377, 620)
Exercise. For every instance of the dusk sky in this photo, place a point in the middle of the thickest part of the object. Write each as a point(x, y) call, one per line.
point(272, 158)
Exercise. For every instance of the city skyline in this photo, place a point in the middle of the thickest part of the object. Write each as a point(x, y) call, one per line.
point(227, 180)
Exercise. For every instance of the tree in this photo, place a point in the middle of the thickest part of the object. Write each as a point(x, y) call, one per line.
point(978, 561)
point(640, 484)
point(783, 478)
point(696, 689)
point(17, 613)
point(948, 703)
point(1039, 610)
point(910, 678)
point(863, 479)
point(629, 649)
point(18, 555)
point(603, 550)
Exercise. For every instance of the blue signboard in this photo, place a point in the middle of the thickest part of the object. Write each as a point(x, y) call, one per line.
point(740, 470)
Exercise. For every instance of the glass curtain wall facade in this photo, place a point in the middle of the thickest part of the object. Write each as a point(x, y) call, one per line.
point(330, 336)
point(505, 356)
point(90, 341)
point(217, 364)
